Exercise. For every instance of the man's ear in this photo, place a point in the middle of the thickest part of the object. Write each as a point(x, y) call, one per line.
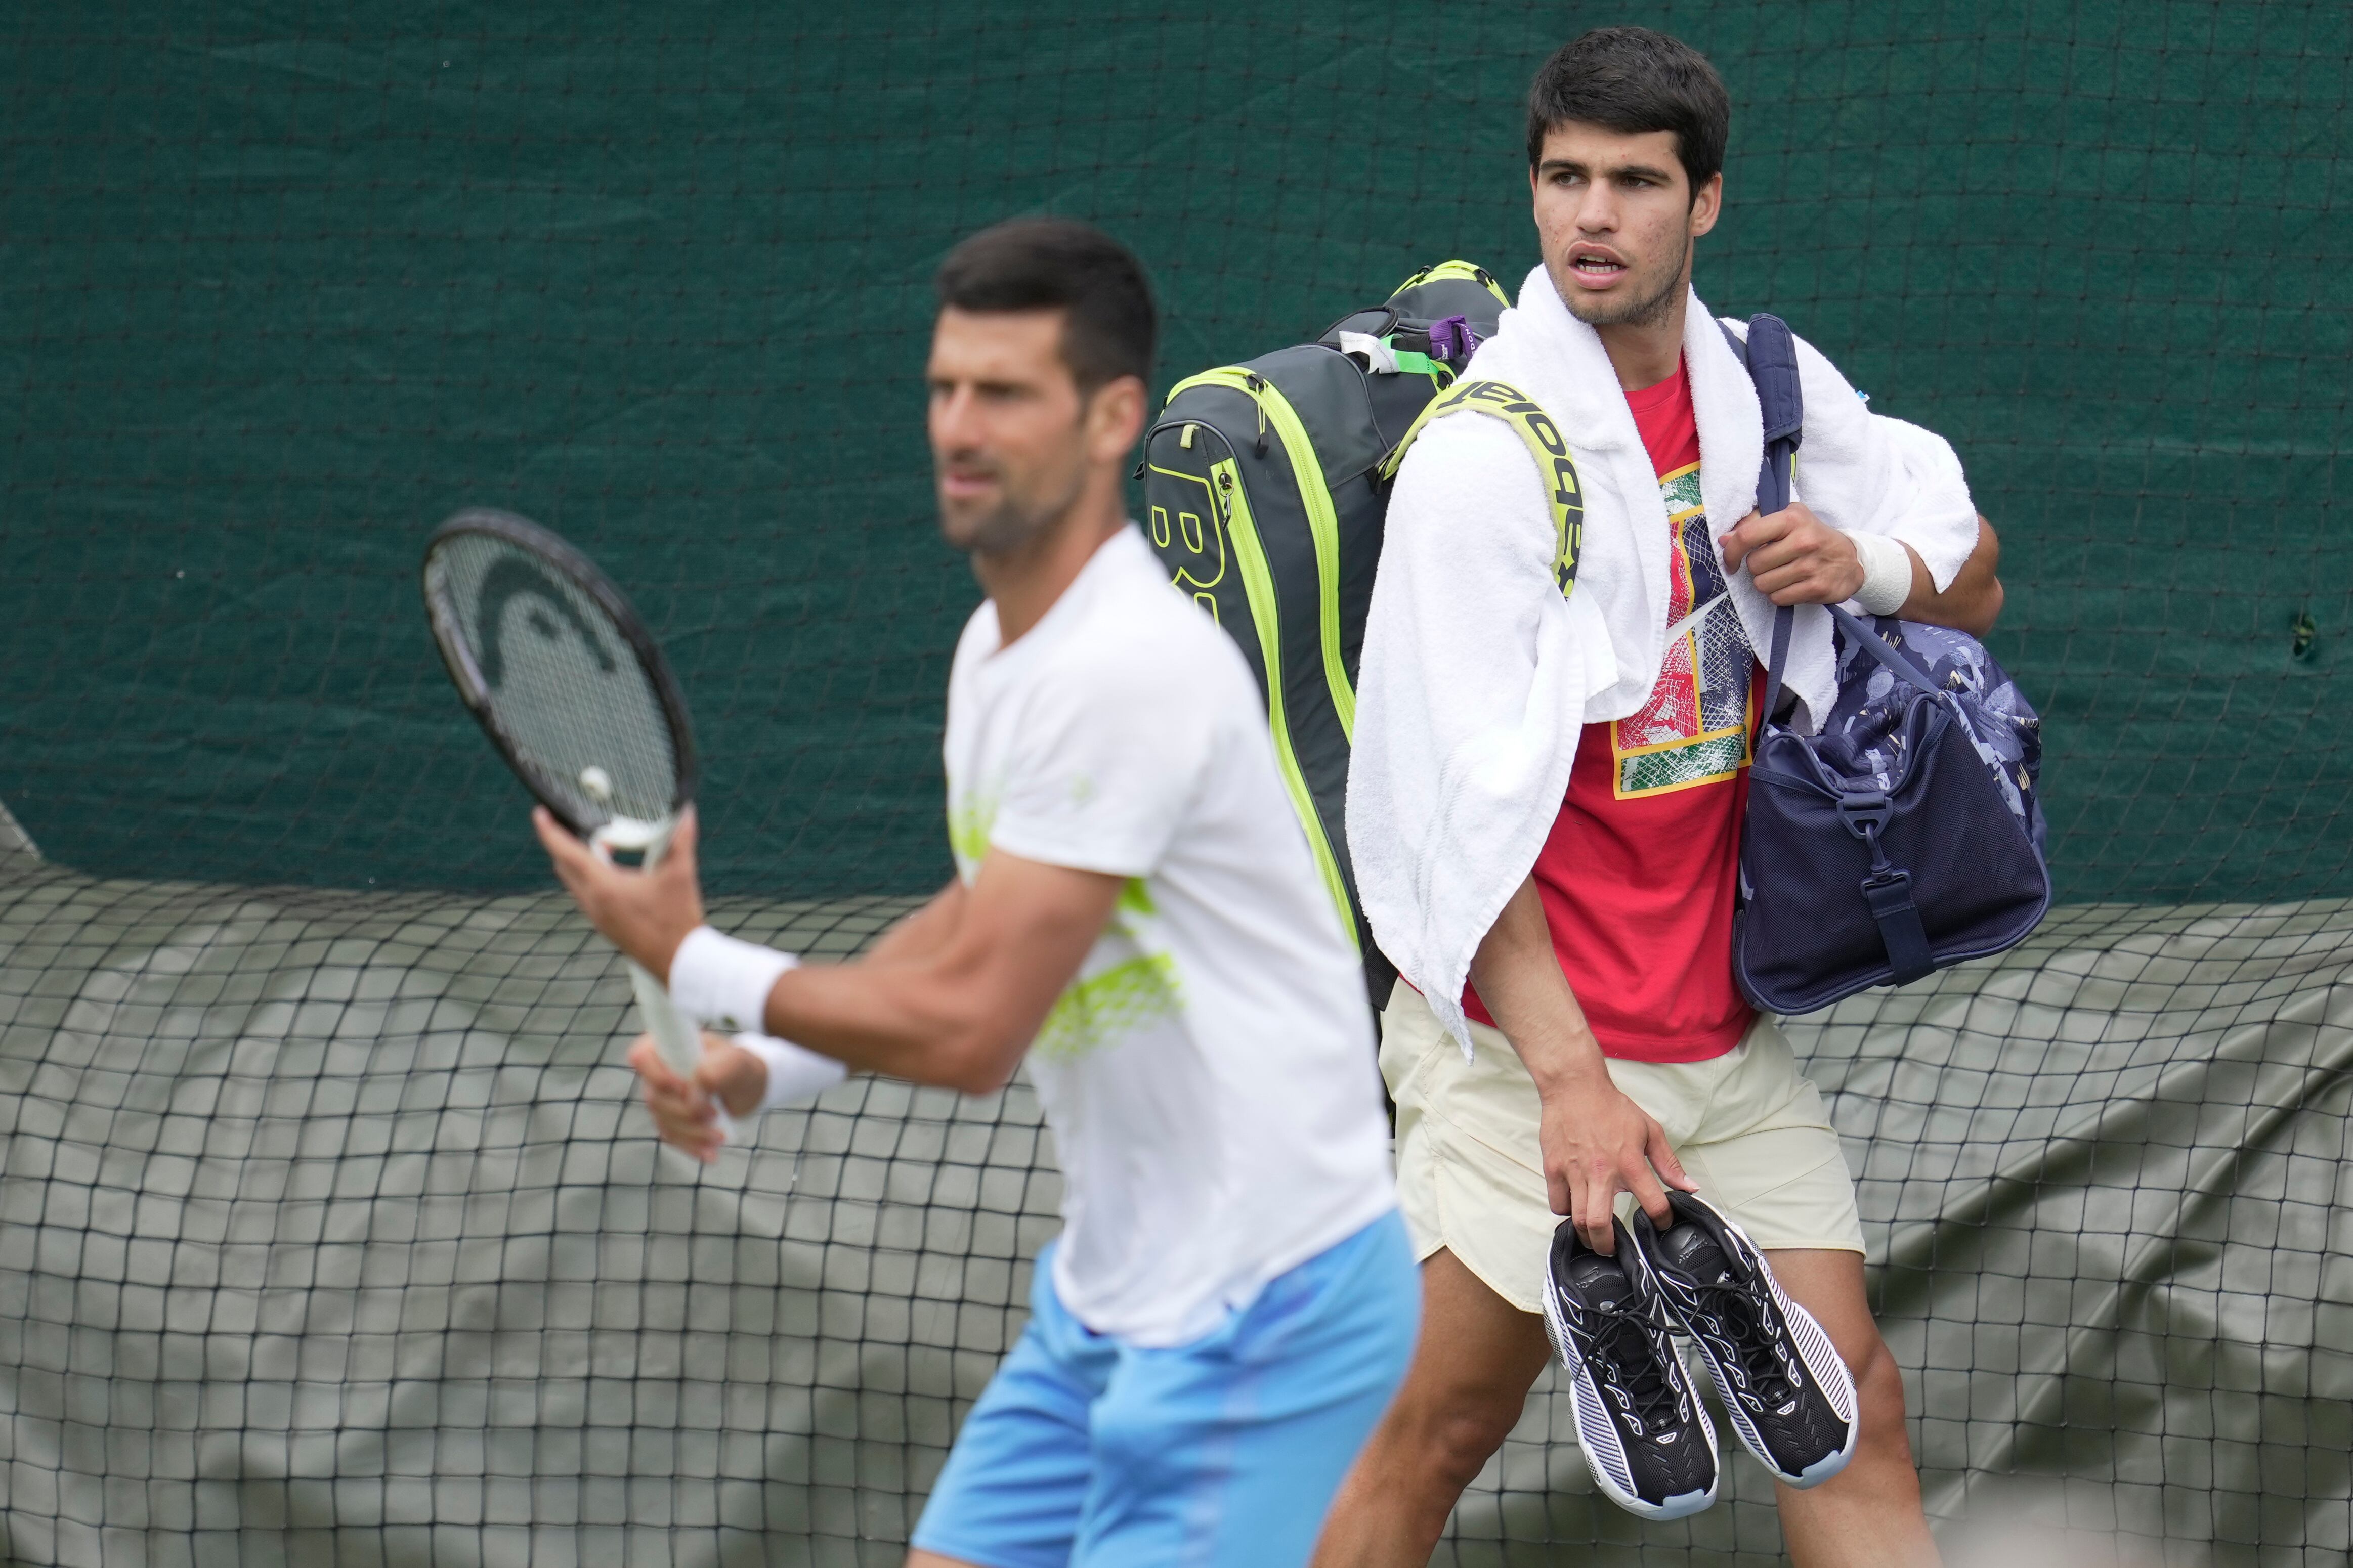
point(1707, 206)
point(1115, 413)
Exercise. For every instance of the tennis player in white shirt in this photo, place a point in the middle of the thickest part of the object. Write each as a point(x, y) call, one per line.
point(1233, 1299)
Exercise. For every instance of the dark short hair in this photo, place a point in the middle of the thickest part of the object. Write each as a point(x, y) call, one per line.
point(1631, 79)
point(1059, 264)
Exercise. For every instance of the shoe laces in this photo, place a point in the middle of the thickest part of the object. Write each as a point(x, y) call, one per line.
point(1756, 1343)
point(1626, 1359)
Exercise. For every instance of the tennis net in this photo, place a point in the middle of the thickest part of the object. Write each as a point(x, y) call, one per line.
point(330, 1233)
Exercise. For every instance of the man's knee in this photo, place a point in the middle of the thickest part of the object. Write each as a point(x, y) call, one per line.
point(1467, 1386)
point(1830, 1284)
point(1879, 1398)
point(1452, 1431)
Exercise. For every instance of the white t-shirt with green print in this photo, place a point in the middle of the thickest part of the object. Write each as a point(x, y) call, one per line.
point(1209, 1077)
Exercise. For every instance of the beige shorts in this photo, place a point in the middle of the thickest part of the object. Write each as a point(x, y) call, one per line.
point(1746, 1126)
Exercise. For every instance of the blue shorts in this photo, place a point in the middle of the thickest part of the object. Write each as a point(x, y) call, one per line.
point(1223, 1452)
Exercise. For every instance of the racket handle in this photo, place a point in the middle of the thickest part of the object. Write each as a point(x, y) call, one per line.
point(673, 1031)
point(681, 1041)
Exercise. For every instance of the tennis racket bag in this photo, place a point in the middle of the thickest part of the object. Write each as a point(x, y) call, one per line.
point(1264, 496)
point(1907, 833)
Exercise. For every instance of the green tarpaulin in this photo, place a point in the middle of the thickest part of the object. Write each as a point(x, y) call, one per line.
point(280, 288)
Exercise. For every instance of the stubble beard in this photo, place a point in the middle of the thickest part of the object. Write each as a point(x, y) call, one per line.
point(1017, 523)
point(1648, 311)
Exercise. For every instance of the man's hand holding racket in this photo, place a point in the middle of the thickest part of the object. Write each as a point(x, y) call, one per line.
point(646, 914)
point(686, 1110)
point(569, 685)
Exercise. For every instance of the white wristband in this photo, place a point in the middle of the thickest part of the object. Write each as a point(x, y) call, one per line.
point(1886, 573)
point(795, 1072)
point(723, 982)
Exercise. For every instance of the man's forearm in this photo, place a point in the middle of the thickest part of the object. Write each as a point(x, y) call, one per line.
point(955, 996)
point(1972, 601)
point(930, 1002)
point(922, 932)
point(891, 1010)
point(928, 1020)
point(1518, 978)
point(1595, 1143)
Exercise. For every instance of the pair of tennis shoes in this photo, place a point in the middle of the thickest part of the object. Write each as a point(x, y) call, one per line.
point(1614, 1320)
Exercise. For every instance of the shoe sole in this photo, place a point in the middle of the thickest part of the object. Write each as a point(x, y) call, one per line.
point(1681, 1506)
point(1813, 1348)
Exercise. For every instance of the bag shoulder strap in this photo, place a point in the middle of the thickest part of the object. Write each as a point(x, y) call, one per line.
point(1770, 355)
point(1545, 444)
point(1740, 349)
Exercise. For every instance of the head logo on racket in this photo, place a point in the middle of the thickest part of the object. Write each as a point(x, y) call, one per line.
point(510, 579)
point(561, 674)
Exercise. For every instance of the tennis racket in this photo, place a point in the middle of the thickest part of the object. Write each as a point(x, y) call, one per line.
point(574, 693)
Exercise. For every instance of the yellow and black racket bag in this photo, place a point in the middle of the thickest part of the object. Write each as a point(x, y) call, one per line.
point(1265, 488)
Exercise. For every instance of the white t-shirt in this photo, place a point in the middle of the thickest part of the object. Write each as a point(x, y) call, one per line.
point(1210, 1075)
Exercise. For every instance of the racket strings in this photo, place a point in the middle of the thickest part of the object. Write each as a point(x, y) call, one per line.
point(562, 688)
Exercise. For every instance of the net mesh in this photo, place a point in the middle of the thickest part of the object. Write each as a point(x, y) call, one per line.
point(327, 1232)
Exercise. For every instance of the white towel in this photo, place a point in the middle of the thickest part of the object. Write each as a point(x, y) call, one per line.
point(1478, 679)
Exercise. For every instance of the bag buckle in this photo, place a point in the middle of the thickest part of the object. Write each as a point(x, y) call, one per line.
point(1863, 812)
point(1888, 892)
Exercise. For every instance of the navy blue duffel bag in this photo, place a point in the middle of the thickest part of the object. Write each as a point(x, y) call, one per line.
point(1907, 833)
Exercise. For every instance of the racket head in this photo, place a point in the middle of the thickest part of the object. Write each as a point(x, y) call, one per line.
point(560, 671)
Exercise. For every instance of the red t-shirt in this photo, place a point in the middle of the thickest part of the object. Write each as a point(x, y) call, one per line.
point(1638, 874)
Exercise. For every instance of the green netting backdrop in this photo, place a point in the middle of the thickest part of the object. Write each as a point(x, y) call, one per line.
point(277, 290)
point(328, 1234)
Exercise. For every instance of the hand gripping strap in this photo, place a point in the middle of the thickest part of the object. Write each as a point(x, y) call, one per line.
point(1544, 443)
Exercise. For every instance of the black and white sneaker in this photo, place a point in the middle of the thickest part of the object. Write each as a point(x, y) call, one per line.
point(1786, 1390)
point(1645, 1438)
